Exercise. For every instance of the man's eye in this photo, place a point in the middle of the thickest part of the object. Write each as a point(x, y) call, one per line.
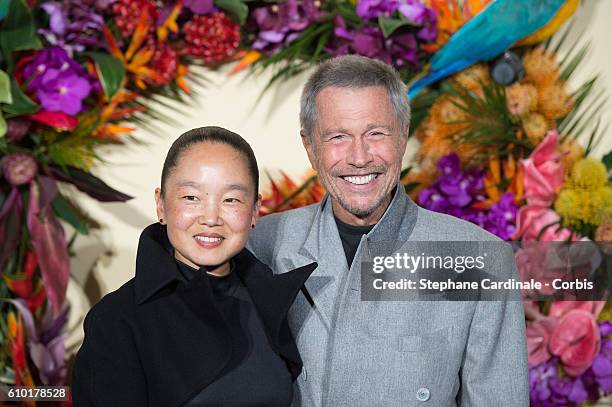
point(337, 137)
point(192, 198)
point(232, 200)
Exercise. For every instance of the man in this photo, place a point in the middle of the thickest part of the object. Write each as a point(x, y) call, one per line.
point(355, 118)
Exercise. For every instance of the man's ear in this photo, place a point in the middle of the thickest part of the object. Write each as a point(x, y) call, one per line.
point(159, 206)
point(309, 148)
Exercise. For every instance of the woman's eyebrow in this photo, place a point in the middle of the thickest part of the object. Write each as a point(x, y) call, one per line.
point(238, 187)
point(189, 184)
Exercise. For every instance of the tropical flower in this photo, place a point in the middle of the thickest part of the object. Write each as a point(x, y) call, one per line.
point(535, 222)
point(60, 83)
point(553, 100)
point(585, 199)
point(541, 66)
point(46, 343)
point(543, 172)
point(576, 340)
point(603, 235)
point(521, 98)
point(19, 168)
point(74, 25)
point(279, 24)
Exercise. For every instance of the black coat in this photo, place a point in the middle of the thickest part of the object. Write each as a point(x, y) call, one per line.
point(157, 341)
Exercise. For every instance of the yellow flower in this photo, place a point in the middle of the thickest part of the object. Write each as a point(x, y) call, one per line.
point(553, 100)
point(535, 126)
point(521, 98)
point(589, 173)
point(603, 235)
point(473, 78)
point(597, 205)
point(571, 151)
point(582, 206)
point(541, 67)
point(567, 203)
point(445, 111)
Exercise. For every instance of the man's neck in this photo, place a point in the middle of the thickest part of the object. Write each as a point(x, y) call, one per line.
point(351, 219)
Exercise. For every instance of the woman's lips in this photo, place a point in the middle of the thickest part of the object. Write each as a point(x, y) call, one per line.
point(209, 240)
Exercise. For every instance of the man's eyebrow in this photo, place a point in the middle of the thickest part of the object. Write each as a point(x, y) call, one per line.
point(377, 126)
point(343, 130)
point(335, 130)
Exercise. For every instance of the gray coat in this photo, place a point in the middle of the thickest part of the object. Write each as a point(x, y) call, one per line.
point(400, 353)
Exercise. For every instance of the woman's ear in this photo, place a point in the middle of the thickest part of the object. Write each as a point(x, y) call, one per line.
point(256, 210)
point(159, 206)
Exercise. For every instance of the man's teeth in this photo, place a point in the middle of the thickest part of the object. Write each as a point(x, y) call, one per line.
point(208, 239)
point(365, 179)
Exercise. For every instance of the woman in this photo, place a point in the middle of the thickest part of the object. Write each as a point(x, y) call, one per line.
point(203, 322)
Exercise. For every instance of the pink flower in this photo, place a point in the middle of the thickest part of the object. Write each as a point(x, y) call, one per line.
point(538, 338)
point(533, 262)
point(576, 340)
point(560, 308)
point(543, 171)
point(535, 222)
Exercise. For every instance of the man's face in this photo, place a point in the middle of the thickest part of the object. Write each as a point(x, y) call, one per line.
point(357, 151)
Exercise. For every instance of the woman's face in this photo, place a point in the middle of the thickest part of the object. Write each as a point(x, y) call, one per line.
point(208, 205)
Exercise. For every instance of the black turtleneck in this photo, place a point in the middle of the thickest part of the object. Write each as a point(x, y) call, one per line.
point(350, 235)
point(255, 375)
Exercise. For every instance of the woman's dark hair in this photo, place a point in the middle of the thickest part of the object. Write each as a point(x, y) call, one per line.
point(210, 134)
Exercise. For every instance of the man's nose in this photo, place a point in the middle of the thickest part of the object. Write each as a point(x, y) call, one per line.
point(210, 214)
point(359, 153)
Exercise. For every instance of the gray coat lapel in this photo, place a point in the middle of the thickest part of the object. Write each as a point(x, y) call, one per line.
point(323, 242)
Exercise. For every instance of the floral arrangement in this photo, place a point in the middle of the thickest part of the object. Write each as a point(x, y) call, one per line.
point(79, 74)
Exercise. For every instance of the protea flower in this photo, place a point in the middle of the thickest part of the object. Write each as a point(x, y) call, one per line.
point(19, 168)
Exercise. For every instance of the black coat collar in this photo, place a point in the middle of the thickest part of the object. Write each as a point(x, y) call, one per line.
point(272, 295)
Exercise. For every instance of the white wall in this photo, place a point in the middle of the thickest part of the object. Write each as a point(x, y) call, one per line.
point(105, 260)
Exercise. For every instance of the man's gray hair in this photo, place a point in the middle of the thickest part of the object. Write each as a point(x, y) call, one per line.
point(354, 71)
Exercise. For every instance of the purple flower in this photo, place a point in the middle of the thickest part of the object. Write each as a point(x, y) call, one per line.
point(74, 25)
point(46, 343)
point(413, 11)
point(199, 6)
point(602, 364)
point(62, 91)
point(280, 24)
point(60, 83)
point(429, 32)
point(502, 217)
point(371, 9)
point(433, 199)
point(398, 49)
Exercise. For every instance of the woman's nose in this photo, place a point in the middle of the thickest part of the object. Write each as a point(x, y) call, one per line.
point(210, 215)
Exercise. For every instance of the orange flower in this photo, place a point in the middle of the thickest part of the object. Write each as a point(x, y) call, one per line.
point(136, 57)
point(452, 14)
point(16, 344)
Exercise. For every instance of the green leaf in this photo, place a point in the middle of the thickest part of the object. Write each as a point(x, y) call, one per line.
point(66, 211)
point(110, 71)
point(18, 30)
point(235, 7)
point(389, 25)
point(5, 88)
point(21, 104)
point(408, 188)
point(2, 125)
